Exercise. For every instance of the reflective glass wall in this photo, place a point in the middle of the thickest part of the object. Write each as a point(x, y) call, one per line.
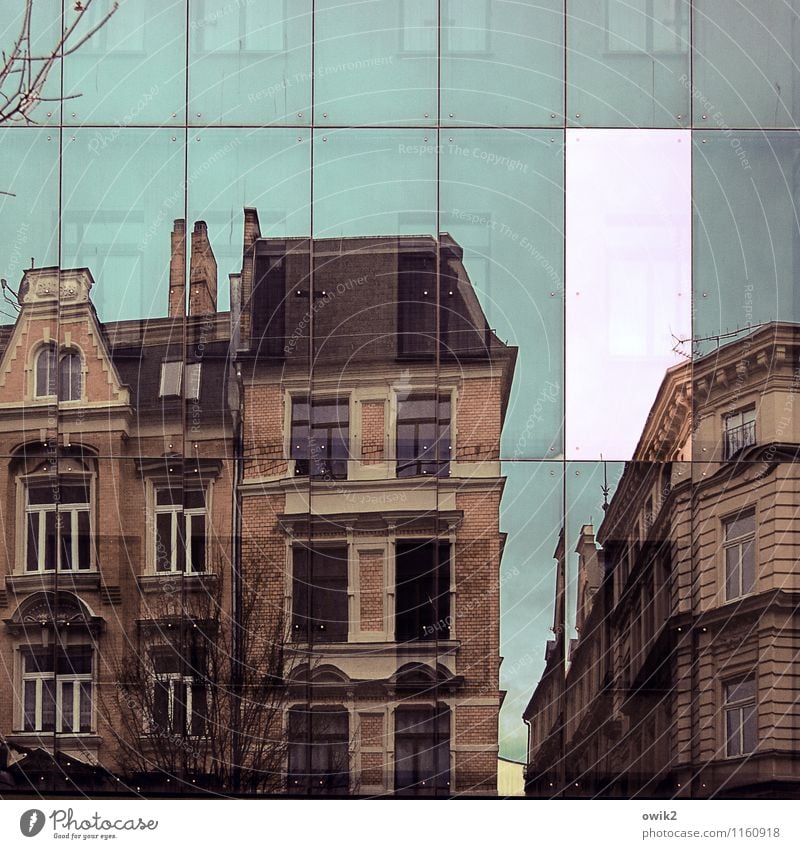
point(618, 177)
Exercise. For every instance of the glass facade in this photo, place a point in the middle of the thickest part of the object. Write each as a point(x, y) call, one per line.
point(605, 189)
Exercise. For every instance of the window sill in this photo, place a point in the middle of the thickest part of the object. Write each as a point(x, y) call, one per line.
point(154, 582)
point(87, 579)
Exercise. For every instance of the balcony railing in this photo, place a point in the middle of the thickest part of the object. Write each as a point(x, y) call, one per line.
point(739, 437)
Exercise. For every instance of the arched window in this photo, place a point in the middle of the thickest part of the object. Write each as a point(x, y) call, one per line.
point(46, 372)
point(69, 377)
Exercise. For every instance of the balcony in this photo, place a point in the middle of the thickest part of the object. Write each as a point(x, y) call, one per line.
point(739, 437)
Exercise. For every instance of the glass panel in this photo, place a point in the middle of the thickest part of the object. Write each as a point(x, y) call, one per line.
point(119, 199)
point(229, 170)
point(32, 554)
point(39, 102)
point(164, 525)
point(86, 706)
point(746, 234)
point(732, 572)
point(197, 552)
point(745, 71)
point(501, 203)
point(749, 728)
point(29, 718)
point(250, 62)
point(48, 705)
point(29, 177)
point(628, 63)
point(50, 540)
point(374, 183)
point(84, 540)
point(68, 707)
point(65, 519)
point(732, 728)
point(502, 62)
point(629, 299)
point(740, 526)
point(375, 61)
point(133, 70)
point(748, 567)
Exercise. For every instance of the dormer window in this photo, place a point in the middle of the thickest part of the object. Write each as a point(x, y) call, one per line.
point(172, 380)
point(66, 382)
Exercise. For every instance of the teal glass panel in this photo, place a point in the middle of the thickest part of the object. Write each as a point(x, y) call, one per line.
point(133, 70)
point(40, 100)
point(250, 62)
point(628, 63)
point(122, 189)
point(374, 183)
point(532, 511)
point(375, 62)
point(746, 252)
point(745, 63)
point(502, 62)
point(28, 203)
point(229, 170)
point(502, 201)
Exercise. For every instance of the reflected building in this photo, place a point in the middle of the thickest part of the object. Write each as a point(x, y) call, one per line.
point(281, 520)
point(681, 681)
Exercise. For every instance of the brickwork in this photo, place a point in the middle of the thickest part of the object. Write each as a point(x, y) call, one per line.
point(372, 582)
point(479, 419)
point(373, 431)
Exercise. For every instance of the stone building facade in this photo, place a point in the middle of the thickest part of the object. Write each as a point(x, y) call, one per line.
point(682, 680)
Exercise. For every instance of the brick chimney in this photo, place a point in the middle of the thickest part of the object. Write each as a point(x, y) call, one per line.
point(202, 273)
point(177, 269)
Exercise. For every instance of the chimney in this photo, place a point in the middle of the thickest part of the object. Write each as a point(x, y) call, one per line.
point(177, 270)
point(202, 273)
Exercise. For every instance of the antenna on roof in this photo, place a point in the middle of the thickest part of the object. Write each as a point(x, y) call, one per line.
point(604, 487)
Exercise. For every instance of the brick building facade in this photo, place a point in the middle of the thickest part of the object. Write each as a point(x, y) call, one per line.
point(333, 442)
point(683, 678)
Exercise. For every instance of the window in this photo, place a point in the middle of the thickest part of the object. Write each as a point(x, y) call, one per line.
point(422, 751)
point(171, 375)
point(69, 377)
point(740, 431)
point(741, 719)
point(320, 438)
point(319, 595)
point(180, 691)
point(46, 372)
point(647, 26)
point(422, 594)
point(50, 507)
point(318, 750)
point(416, 306)
point(740, 558)
point(180, 530)
point(423, 436)
point(57, 689)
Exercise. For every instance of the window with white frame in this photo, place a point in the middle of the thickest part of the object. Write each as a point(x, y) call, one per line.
point(180, 529)
point(180, 691)
point(740, 555)
point(741, 718)
point(57, 689)
point(58, 375)
point(57, 525)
